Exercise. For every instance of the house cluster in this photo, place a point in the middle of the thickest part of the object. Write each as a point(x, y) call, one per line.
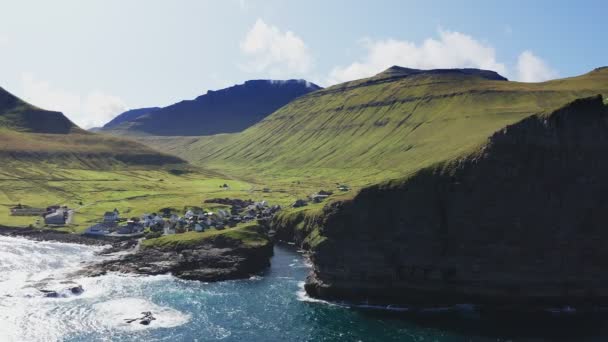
point(55, 214)
point(314, 198)
point(113, 224)
point(197, 220)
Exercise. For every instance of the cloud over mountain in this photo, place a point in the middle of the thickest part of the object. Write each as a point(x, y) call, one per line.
point(277, 53)
point(86, 110)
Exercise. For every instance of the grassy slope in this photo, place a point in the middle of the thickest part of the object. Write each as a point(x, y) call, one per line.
point(33, 135)
point(132, 191)
point(366, 131)
point(247, 233)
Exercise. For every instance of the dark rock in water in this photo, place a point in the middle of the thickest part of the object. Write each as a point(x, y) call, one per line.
point(146, 319)
point(72, 289)
point(76, 290)
point(50, 293)
point(518, 223)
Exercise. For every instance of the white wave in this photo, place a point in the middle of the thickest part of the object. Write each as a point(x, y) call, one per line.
point(304, 297)
point(26, 315)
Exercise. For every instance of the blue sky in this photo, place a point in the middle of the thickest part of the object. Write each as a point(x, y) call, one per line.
point(94, 59)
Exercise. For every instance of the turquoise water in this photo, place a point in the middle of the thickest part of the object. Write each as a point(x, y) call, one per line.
point(271, 307)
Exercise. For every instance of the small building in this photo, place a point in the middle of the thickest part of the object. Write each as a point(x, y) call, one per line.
point(23, 210)
point(111, 217)
point(169, 229)
point(132, 227)
point(98, 229)
point(189, 214)
point(299, 203)
point(58, 217)
point(343, 187)
point(318, 198)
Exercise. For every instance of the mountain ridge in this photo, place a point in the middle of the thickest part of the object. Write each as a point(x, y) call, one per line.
point(227, 110)
point(19, 115)
point(31, 136)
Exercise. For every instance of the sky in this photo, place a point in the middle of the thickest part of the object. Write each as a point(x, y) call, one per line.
point(95, 59)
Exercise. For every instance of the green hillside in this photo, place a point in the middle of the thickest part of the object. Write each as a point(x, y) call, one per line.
point(18, 115)
point(30, 134)
point(382, 127)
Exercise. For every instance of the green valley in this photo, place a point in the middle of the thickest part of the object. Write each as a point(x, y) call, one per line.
point(384, 127)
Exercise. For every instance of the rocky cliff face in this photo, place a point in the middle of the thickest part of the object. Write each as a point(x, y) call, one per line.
point(212, 260)
point(520, 222)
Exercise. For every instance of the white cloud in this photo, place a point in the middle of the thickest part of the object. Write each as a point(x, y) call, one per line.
point(89, 110)
point(275, 52)
point(450, 50)
point(100, 108)
point(41, 94)
point(531, 68)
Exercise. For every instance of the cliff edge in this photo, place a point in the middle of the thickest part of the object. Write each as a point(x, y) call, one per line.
point(519, 222)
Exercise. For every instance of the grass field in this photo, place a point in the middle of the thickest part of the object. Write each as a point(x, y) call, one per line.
point(132, 191)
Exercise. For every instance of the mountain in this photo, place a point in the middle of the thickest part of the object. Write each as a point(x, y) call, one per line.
point(382, 127)
point(20, 116)
point(224, 111)
point(33, 136)
point(129, 115)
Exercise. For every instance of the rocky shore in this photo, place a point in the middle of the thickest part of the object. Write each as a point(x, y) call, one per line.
point(215, 259)
point(210, 260)
point(54, 235)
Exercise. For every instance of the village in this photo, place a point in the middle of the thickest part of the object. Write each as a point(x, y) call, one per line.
point(222, 213)
point(167, 222)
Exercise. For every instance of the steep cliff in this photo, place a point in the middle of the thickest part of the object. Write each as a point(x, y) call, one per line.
point(521, 221)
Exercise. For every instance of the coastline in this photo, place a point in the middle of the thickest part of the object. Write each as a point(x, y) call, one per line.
point(54, 235)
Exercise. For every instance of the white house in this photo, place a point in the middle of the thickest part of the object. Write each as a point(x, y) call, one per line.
point(58, 217)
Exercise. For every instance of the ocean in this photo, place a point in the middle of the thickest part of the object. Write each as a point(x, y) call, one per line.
point(268, 307)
